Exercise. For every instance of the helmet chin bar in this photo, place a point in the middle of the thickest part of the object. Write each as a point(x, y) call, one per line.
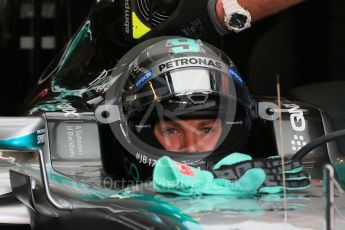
point(27, 134)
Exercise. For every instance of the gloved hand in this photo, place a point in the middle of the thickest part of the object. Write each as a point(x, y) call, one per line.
point(106, 28)
point(235, 165)
point(191, 18)
point(172, 177)
point(114, 29)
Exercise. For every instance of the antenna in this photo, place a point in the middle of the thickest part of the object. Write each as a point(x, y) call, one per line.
point(281, 146)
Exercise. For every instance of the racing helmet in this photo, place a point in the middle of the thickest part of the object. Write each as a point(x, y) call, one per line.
point(176, 97)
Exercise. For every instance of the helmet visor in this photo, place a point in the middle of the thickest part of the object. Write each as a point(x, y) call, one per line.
point(185, 110)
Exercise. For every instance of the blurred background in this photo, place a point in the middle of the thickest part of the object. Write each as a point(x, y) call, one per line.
point(31, 34)
point(303, 45)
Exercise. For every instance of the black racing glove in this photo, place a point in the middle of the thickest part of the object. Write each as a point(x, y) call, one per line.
point(295, 176)
point(114, 29)
point(191, 18)
point(106, 28)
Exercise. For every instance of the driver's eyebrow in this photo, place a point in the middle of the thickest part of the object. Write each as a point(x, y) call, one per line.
point(207, 122)
point(171, 123)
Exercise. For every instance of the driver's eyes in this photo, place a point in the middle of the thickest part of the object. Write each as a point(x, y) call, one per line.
point(170, 131)
point(207, 130)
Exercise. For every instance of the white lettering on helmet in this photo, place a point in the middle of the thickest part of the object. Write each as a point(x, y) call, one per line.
point(182, 62)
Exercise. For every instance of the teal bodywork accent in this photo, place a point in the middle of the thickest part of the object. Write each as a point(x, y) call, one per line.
point(183, 210)
point(84, 33)
point(147, 204)
point(51, 106)
point(340, 173)
point(100, 84)
point(30, 141)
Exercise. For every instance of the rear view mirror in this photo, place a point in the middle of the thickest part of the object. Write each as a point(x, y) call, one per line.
point(27, 134)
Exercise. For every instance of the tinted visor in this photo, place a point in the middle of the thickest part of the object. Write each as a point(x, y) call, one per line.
point(144, 87)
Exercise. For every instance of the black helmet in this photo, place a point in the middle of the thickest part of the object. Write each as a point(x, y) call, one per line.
point(176, 97)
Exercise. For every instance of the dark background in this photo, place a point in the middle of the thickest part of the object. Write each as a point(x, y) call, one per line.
point(302, 45)
point(20, 67)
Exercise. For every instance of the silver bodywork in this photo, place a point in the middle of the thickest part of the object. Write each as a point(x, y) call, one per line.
point(20, 126)
point(305, 209)
point(5, 185)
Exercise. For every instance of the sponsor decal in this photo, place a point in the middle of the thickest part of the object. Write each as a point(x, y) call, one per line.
point(296, 117)
point(69, 110)
point(75, 140)
point(143, 79)
point(190, 61)
point(298, 124)
point(127, 17)
point(40, 136)
point(185, 169)
point(235, 75)
point(297, 142)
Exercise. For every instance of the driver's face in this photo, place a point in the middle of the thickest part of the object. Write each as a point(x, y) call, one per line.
point(192, 135)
